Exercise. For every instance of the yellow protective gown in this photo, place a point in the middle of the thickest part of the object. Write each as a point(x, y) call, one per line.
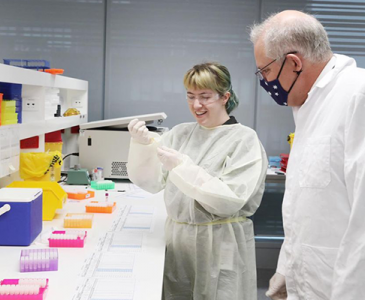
point(210, 249)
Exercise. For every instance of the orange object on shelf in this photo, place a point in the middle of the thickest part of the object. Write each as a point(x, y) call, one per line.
point(100, 207)
point(81, 195)
point(54, 71)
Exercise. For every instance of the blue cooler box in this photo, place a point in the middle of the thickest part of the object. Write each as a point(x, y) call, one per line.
point(20, 216)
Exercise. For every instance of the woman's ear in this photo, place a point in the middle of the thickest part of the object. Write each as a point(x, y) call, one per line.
point(226, 97)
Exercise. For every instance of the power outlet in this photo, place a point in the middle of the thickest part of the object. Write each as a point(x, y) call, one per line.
point(76, 103)
point(30, 104)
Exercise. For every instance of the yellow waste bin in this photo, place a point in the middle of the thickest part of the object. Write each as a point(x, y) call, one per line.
point(40, 166)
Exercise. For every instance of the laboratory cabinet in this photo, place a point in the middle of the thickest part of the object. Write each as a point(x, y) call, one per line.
point(40, 94)
point(268, 223)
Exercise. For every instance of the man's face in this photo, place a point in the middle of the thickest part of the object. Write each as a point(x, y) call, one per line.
point(271, 72)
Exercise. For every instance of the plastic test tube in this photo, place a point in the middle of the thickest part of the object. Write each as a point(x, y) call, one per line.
point(100, 173)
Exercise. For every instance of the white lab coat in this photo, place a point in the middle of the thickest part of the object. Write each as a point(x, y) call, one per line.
point(323, 255)
point(221, 178)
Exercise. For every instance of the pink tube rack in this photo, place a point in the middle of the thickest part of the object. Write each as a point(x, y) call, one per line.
point(63, 238)
point(36, 260)
point(23, 289)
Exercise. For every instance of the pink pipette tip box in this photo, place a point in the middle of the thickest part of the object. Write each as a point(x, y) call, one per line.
point(24, 289)
point(67, 239)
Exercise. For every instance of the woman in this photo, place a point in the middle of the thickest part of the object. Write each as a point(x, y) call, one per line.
point(213, 173)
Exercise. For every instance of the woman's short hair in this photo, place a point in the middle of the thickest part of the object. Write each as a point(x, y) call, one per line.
point(212, 76)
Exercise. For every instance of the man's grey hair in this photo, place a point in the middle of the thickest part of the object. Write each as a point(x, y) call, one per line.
point(305, 35)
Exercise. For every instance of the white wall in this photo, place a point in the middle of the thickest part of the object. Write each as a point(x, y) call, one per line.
point(134, 53)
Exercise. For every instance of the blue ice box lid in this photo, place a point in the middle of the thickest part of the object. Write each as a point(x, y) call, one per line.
point(20, 216)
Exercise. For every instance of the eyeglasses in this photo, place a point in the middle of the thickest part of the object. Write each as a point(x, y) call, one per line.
point(258, 73)
point(203, 99)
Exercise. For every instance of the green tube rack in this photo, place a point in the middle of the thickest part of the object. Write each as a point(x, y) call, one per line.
point(103, 185)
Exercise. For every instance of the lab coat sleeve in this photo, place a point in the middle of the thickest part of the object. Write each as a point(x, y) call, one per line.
point(282, 261)
point(349, 268)
point(144, 168)
point(241, 180)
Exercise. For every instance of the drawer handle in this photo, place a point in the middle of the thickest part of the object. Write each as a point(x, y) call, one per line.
point(4, 209)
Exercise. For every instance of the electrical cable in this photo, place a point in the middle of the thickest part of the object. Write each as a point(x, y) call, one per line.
point(64, 173)
point(75, 154)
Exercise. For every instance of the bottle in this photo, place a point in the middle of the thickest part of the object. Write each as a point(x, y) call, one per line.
point(94, 175)
point(100, 173)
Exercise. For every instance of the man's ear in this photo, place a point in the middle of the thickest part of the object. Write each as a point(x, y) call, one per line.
point(295, 61)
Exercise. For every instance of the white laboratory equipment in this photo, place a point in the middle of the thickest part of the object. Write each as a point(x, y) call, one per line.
point(106, 144)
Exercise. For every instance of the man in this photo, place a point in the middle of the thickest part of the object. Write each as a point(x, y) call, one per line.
point(323, 255)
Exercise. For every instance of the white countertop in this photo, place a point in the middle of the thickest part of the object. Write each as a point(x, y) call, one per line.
point(145, 280)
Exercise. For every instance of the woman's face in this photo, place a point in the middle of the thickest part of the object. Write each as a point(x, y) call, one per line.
point(207, 107)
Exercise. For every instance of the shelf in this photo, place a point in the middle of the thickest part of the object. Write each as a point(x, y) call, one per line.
point(41, 93)
point(41, 127)
point(36, 78)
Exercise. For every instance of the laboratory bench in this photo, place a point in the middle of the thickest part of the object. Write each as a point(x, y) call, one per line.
point(92, 272)
point(123, 253)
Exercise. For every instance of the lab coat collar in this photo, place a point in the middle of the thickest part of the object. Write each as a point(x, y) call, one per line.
point(323, 79)
point(336, 64)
